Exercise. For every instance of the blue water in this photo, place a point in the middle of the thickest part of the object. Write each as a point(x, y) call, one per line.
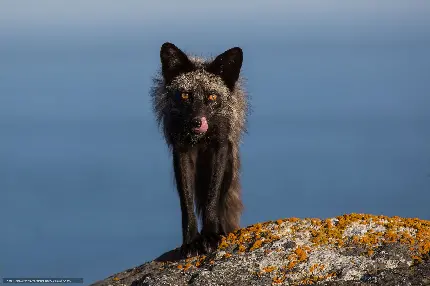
point(340, 124)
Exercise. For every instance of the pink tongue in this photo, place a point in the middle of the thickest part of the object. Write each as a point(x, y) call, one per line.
point(204, 127)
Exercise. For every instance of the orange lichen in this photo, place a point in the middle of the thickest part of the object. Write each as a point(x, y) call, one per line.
point(223, 244)
point(227, 255)
point(417, 259)
point(267, 251)
point(254, 237)
point(367, 232)
point(278, 279)
point(188, 265)
point(390, 236)
point(256, 245)
point(306, 281)
point(328, 223)
point(373, 231)
point(301, 254)
point(315, 267)
point(316, 221)
point(395, 231)
point(269, 269)
point(291, 264)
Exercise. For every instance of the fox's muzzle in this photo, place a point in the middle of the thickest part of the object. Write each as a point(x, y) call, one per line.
point(199, 124)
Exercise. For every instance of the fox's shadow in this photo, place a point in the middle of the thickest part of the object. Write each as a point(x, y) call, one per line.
point(171, 255)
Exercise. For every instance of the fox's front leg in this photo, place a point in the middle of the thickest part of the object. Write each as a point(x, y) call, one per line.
point(184, 169)
point(211, 231)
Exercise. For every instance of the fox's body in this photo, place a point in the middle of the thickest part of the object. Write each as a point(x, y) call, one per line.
point(202, 110)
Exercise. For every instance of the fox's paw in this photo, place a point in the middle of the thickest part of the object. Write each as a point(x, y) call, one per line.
point(190, 249)
point(202, 244)
point(209, 242)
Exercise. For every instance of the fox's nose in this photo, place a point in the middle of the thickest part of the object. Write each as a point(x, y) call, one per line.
point(196, 122)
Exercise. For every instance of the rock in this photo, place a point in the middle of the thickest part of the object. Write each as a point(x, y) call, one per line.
point(354, 249)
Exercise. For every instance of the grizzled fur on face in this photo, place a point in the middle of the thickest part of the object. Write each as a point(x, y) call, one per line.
point(200, 78)
point(201, 107)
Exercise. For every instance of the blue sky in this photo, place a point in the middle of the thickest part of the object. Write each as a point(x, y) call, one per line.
point(86, 13)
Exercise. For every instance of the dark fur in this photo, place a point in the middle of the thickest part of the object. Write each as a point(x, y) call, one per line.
point(206, 166)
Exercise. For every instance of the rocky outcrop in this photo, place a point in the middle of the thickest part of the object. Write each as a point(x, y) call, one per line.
point(354, 249)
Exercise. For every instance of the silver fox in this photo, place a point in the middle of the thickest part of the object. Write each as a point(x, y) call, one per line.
point(201, 107)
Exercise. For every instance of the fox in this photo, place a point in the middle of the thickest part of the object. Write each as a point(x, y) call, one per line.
point(201, 107)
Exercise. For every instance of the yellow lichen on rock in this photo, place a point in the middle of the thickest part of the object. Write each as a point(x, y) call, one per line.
point(269, 269)
point(295, 251)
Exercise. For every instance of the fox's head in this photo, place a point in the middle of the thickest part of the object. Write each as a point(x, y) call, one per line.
point(199, 97)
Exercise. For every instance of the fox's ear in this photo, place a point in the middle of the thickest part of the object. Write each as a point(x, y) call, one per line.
point(227, 65)
point(173, 62)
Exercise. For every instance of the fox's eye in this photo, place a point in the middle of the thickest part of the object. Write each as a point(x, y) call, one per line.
point(185, 95)
point(212, 97)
